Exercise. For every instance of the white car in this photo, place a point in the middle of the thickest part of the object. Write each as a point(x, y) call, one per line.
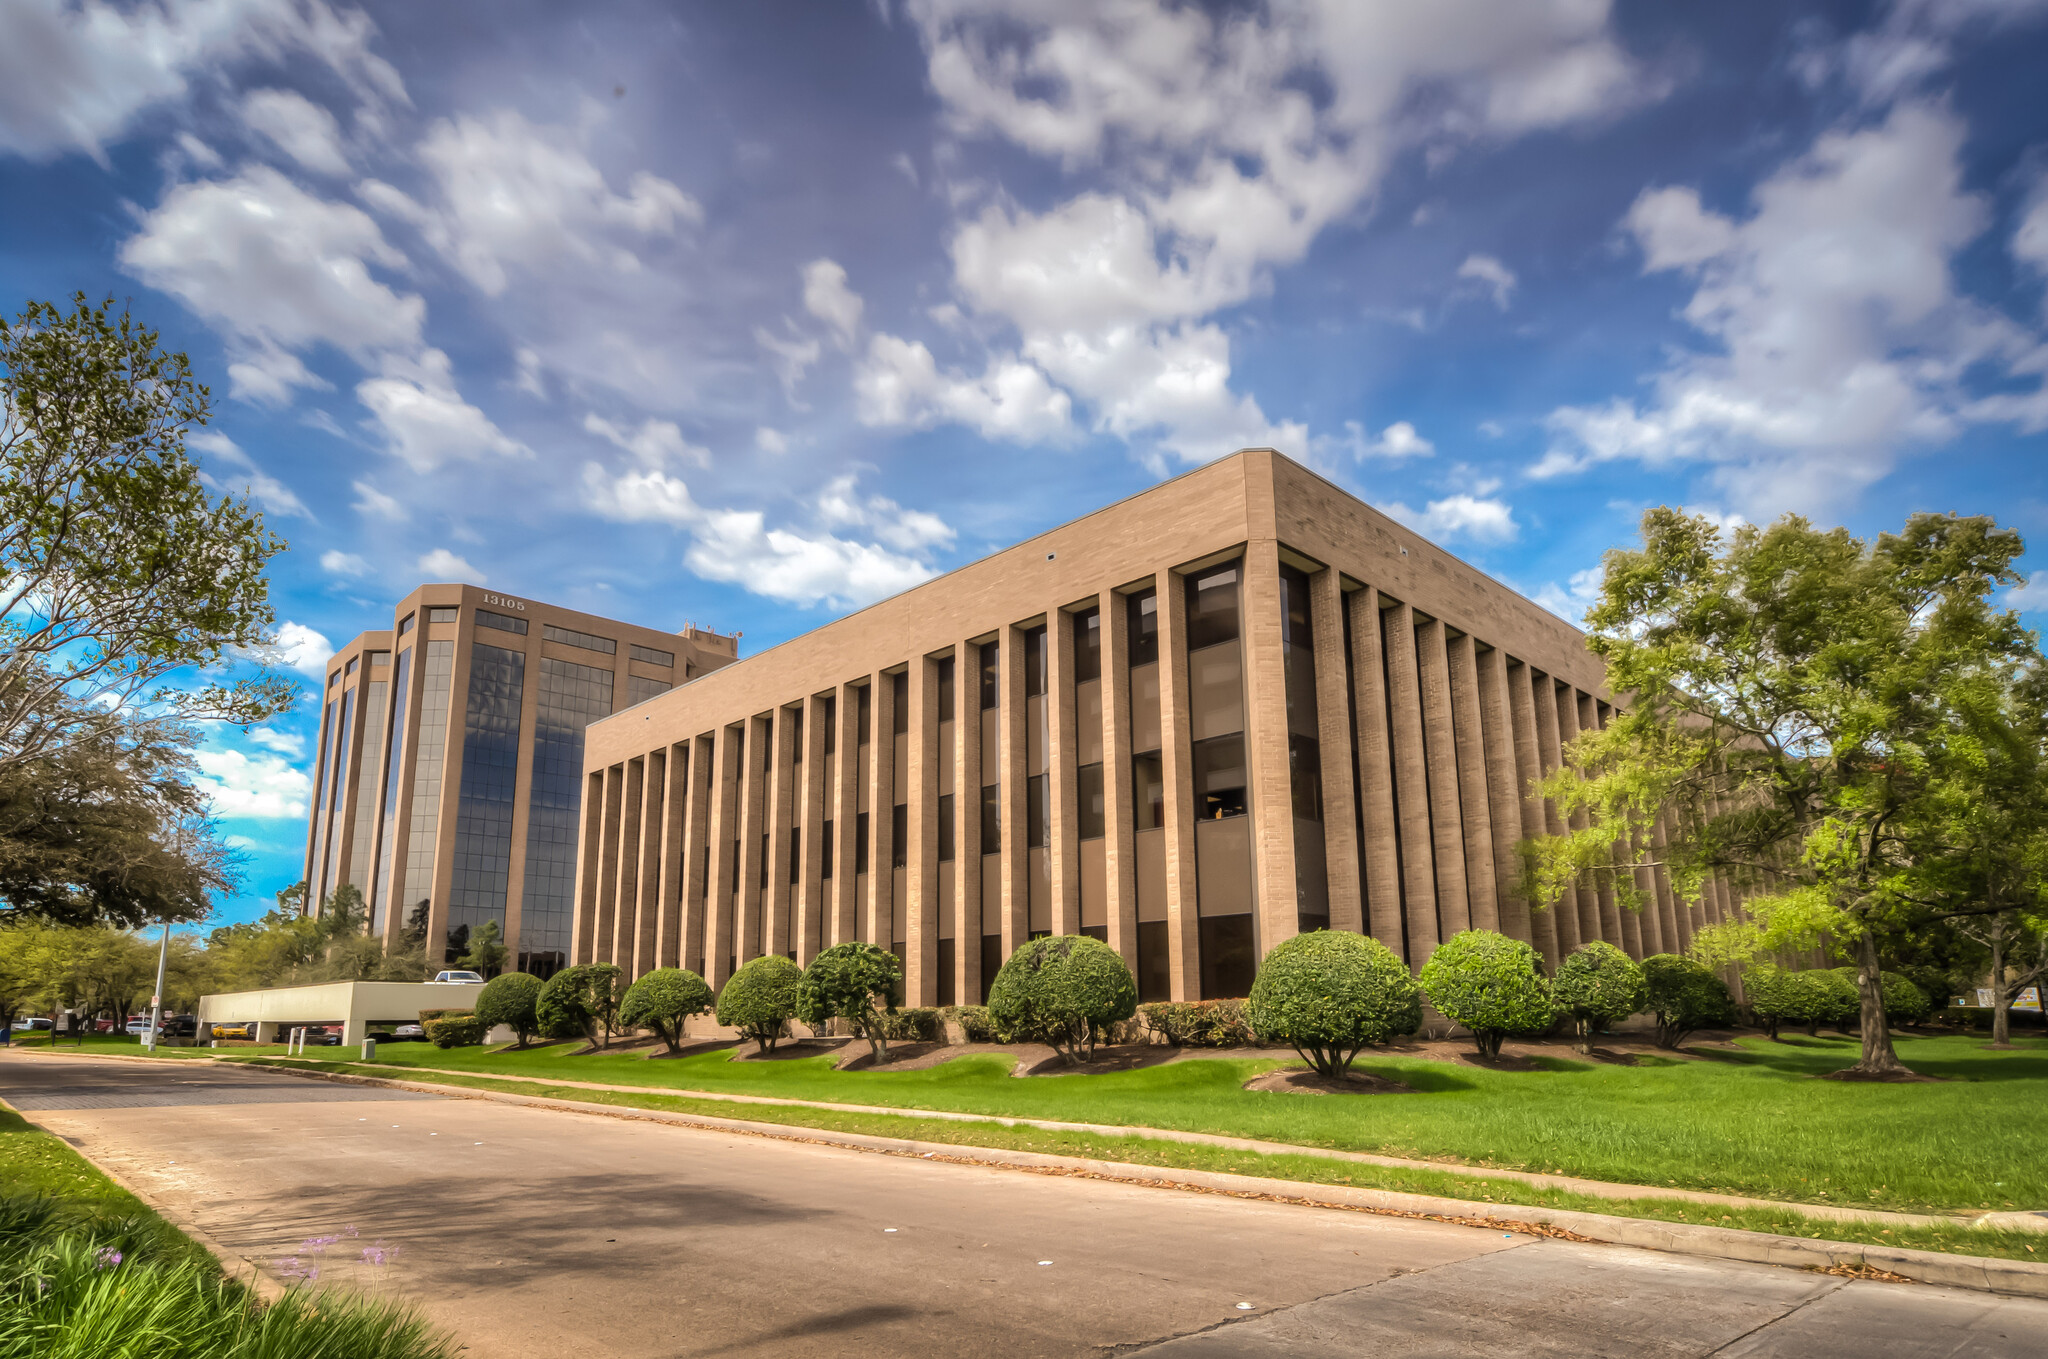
point(459, 978)
point(405, 1032)
point(138, 1027)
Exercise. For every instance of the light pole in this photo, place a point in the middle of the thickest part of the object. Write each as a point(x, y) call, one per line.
point(156, 1002)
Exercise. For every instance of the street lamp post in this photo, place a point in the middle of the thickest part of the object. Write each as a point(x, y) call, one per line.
point(156, 1002)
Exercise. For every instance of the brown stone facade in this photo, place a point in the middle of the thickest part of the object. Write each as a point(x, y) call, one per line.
point(1239, 705)
point(448, 775)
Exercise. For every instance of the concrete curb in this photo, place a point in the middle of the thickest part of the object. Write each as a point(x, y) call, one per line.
point(258, 1280)
point(2013, 1277)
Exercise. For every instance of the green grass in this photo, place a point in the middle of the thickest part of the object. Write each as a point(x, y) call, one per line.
point(1303, 1167)
point(1753, 1122)
point(35, 1162)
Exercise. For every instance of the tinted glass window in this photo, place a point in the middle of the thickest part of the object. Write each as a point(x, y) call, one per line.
point(1212, 606)
point(1037, 811)
point(1219, 777)
point(899, 721)
point(483, 817)
point(946, 710)
point(989, 656)
point(946, 836)
point(1034, 662)
point(502, 622)
point(571, 637)
point(1148, 791)
point(1088, 782)
point(992, 819)
point(1143, 612)
point(1087, 645)
point(572, 696)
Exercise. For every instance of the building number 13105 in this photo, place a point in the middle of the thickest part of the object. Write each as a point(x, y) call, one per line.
point(499, 601)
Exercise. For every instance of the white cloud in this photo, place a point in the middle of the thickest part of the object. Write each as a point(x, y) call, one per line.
point(530, 379)
point(898, 383)
point(303, 649)
point(443, 565)
point(840, 505)
point(1398, 442)
point(771, 440)
point(74, 74)
point(1495, 277)
point(337, 563)
point(655, 442)
point(371, 501)
point(286, 743)
point(424, 419)
point(249, 479)
point(298, 127)
point(264, 786)
point(1571, 602)
point(514, 193)
point(793, 357)
point(2030, 238)
point(2031, 597)
point(1841, 338)
point(277, 270)
point(827, 297)
point(1479, 518)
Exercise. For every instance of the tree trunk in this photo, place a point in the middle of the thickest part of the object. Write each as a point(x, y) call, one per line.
point(2001, 1019)
point(1582, 1034)
point(1878, 1059)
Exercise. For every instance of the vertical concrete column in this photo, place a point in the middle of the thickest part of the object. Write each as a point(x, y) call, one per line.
point(1670, 940)
point(1611, 927)
point(589, 860)
point(879, 908)
point(1011, 741)
point(1419, 874)
point(1262, 619)
point(668, 924)
point(921, 826)
point(1176, 725)
point(1380, 847)
point(777, 935)
point(701, 771)
point(967, 784)
point(1565, 912)
point(1527, 766)
point(1568, 728)
point(721, 947)
point(1447, 812)
point(1504, 805)
point(1120, 864)
point(1333, 736)
point(813, 799)
point(753, 821)
point(608, 883)
point(1064, 823)
point(1470, 734)
point(653, 799)
point(842, 921)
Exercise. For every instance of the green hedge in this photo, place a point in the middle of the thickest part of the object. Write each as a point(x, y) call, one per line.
point(456, 1029)
point(921, 1024)
point(976, 1024)
point(1198, 1023)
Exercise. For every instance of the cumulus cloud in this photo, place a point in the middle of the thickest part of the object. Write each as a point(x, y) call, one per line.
point(1496, 278)
point(303, 649)
point(371, 501)
point(898, 383)
point(1840, 339)
point(1571, 600)
point(2031, 597)
point(1398, 442)
point(298, 127)
point(348, 564)
point(443, 565)
point(246, 478)
point(654, 442)
point(286, 743)
point(424, 419)
point(1476, 518)
point(827, 297)
point(264, 786)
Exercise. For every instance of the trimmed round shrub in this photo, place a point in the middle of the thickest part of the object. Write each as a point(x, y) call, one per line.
point(1329, 993)
point(1064, 990)
point(1596, 985)
point(1776, 996)
point(856, 982)
point(582, 1002)
point(1904, 1002)
point(760, 999)
point(456, 1031)
point(1685, 997)
point(511, 999)
point(1836, 1001)
point(1491, 984)
point(663, 1002)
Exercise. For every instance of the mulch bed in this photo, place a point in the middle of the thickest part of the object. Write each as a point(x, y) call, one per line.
point(1130, 1057)
point(1302, 1081)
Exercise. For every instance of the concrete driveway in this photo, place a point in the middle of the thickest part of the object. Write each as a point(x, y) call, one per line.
point(536, 1232)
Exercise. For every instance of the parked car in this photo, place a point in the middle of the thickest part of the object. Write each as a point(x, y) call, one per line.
point(178, 1026)
point(37, 1022)
point(323, 1036)
point(138, 1026)
point(459, 978)
point(235, 1029)
point(408, 1033)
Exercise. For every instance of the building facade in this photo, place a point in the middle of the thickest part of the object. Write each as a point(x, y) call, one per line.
point(1237, 706)
point(448, 778)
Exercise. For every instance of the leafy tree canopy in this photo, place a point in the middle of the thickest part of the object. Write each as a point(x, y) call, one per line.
point(856, 982)
point(1330, 993)
point(761, 998)
point(1491, 984)
point(664, 1000)
point(511, 999)
point(1064, 990)
point(1596, 985)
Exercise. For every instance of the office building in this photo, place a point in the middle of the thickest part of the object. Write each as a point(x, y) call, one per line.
point(448, 778)
point(1239, 705)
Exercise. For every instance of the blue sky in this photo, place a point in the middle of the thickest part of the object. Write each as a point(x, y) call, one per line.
point(750, 314)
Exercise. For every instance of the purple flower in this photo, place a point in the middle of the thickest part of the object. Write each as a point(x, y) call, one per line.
point(108, 1258)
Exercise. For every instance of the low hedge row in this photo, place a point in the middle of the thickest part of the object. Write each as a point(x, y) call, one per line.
point(920, 1024)
point(1198, 1023)
point(455, 1028)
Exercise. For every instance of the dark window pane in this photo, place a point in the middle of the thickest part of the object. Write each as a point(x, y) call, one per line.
point(1034, 662)
point(571, 637)
point(405, 625)
point(1155, 968)
point(503, 622)
point(899, 834)
point(946, 837)
point(1228, 958)
point(831, 716)
point(1305, 775)
point(1087, 645)
point(992, 819)
point(899, 721)
point(860, 843)
point(796, 854)
point(490, 768)
point(1220, 780)
point(796, 735)
point(825, 852)
point(1099, 933)
point(946, 993)
point(650, 655)
point(1212, 606)
point(1148, 791)
point(946, 689)
point(1088, 782)
point(864, 715)
point(442, 615)
point(572, 696)
point(1037, 811)
point(763, 876)
point(991, 962)
point(1294, 612)
point(1143, 614)
point(990, 654)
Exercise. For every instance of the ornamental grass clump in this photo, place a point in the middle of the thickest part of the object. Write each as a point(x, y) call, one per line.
point(1063, 990)
point(760, 999)
point(856, 982)
point(1597, 985)
point(1491, 984)
point(510, 999)
point(1328, 994)
point(664, 1000)
point(1685, 997)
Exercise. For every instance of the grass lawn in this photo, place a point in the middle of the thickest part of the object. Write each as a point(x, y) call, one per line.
point(1753, 1122)
point(35, 1162)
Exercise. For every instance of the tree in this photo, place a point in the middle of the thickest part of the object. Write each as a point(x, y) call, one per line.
point(1330, 993)
point(511, 999)
point(1597, 985)
point(1685, 997)
point(119, 567)
point(1787, 689)
point(856, 982)
point(1903, 1001)
point(760, 998)
point(1064, 989)
point(582, 1002)
point(486, 949)
point(1491, 984)
point(664, 1000)
point(1778, 995)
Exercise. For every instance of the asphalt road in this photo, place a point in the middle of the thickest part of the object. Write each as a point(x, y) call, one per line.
point(531, 1232)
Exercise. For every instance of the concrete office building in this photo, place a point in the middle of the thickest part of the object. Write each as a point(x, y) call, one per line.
point(448, 779)
point(1239, 705)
